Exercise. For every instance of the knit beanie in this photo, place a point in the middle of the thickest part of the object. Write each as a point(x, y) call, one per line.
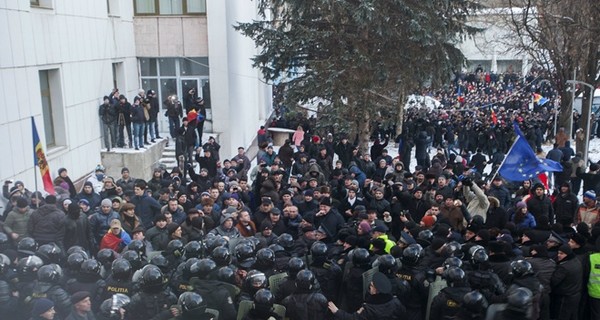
point(41, 305)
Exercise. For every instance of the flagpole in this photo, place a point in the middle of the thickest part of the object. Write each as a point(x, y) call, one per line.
point(502, 163)
point(34, 163)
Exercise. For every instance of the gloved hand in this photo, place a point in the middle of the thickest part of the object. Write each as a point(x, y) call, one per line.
point(467, 182)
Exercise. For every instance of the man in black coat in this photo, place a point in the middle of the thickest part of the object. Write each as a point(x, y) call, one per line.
point(566, 205)
point(46, 224)
point(566, 284)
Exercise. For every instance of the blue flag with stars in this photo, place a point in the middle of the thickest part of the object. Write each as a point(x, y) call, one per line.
point(522, 164)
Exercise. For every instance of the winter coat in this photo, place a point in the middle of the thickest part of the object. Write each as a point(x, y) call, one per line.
point(100, 223)
point(47, 224)
point(108, 114)
point(477, 201)
point(377, 307)
point(146, 208)
point(565, 207)
point(17, 222)
point(78, 232)
point(137, 114)
point(540, 206)
point(502, 194)
point(566, 279)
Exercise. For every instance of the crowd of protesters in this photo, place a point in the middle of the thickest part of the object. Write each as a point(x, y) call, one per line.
point(320, 228)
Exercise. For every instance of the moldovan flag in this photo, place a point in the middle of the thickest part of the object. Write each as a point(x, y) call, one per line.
point(39, 159)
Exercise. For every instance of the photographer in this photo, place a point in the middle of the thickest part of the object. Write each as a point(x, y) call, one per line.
point(174, 113)
point(153, 109)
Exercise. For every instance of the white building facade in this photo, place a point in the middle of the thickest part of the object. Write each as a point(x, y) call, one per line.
point(62, 56)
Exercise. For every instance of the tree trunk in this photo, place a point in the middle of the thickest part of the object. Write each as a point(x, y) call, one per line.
point(400, 115)
point(364, 131)
point(566, 112)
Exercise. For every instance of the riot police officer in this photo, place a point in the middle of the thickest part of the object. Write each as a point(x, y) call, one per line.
point(416, 299)
point(327, 272)
point(89, 280)
point(48, 286)
point(305, 304)
point(218, 295)
point(120, 279)
point(447, 302)
point(193, 307)
point(154, 299)
point(263, 306)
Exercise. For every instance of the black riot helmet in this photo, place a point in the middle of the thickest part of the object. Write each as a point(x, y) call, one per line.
point(452, 262)
point(121, 269)
point(193, 249)
point(244, 251)
point(134, 259)
point(412, 254)
point(215, 241)
point(521, 268)
point(27, 245)
point(475, 303)
point(386, 264)
point(90, 267)
point(175, 248)
point(305, 280)
point(191, 268)
point(28, 267)
point(318, 249)
point(74, 249)
point(479, 256)
point(206, 267)
point(294, 265)
point(265, 258)
point(227, 275)
point(152, 280)
point(192, 304)
point(286, 241)
point(160, 261)
point(5, 243)
point(454, 276)
point(452, 249)
point(106, 257)
point(263, 300)
point(254, 281)
point(4, 263)
point(520, 300)
point(138, 246)
point(425, 235)
point(361, 257)
point(277, 249)
point(221, 256)
point(50, 253)
point(109, 309)
point(51, 273)
point(75, 260)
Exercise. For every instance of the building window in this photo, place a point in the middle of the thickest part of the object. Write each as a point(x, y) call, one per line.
point(176, 76)
point(52, 108)
point(112, 8)
point(42, 4)
point(169, 7)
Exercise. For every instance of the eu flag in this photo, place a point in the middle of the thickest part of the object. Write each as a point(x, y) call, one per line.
point(521, 163)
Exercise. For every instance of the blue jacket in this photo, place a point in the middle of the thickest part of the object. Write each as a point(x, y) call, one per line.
point(146, 208)
point(528, 223)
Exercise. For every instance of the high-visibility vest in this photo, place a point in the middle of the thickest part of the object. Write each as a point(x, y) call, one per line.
point(594, 280)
